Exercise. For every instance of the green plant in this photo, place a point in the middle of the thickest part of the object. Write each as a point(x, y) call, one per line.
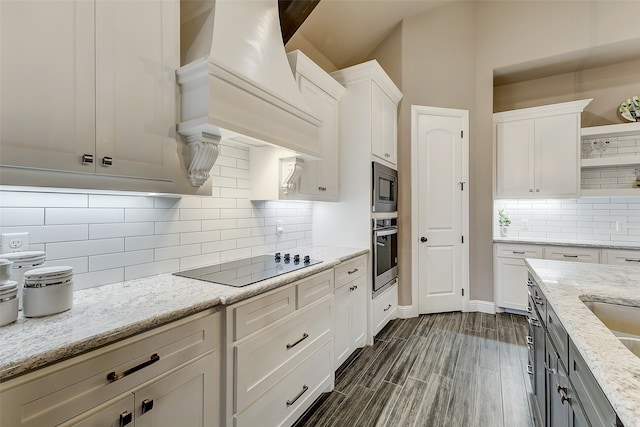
point(503, 218)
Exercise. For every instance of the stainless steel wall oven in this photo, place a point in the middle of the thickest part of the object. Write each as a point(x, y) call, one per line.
point(385, 252)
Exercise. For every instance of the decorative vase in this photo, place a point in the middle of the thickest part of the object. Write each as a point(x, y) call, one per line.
point(504, 230)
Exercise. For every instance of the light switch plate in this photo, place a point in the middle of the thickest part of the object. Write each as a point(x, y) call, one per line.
point(15, 242)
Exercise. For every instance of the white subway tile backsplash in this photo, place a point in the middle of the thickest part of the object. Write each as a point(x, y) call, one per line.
point(83, 216)
point(28, 199)
point(108, 238)
point(12, 217)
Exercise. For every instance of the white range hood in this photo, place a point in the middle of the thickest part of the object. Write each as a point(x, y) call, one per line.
point(237, 82)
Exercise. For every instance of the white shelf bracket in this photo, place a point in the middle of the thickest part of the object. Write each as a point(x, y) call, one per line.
point(203, 153)
point(294, 170)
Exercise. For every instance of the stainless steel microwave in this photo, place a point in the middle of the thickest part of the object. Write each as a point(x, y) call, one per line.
point(385, 188)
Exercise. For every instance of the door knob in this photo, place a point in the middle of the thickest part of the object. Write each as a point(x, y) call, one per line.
point(424, 239)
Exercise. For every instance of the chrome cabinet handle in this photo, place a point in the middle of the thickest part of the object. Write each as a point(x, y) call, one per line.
point(299, 395)
point(146, 406)
point(569, 256)
point(353, 288)
point(388, 307)
point(304, 337)
point(529, 340)
point(321, 188)
point(355, 270)
point(107, 161)
point(112, 376)
point(538, 300)
point(534, 322)
point(424, 239)
point(529, 283)
point(531, 190)
point(632, 259)
point(564, 398)
point(552, 371)
point(529, 369)
point(518, 252)
point(87, 159)
point(125, 418)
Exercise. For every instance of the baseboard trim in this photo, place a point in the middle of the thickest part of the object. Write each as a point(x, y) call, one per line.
point(482, 306)
point(407, 312)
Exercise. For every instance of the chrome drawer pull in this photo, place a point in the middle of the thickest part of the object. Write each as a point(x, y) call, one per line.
point(304, 337)
point(534, 322)
point(112, 376)
point(529, 340)
point(538, 300)
point(107, 161)
point(552, 371)
point(353, 288)
point(529, 283)
point(298, 396)
point(529, 369)
point(529, 309)
point(388, 307)
point(632, 259)
point(355, 270)
point(87, 159)
point(569, 256)
point(518, 252)
point(125, 418)
point(564, 398)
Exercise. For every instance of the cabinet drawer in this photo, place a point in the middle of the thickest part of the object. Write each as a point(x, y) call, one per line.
point(263, 359)
point(562, 253)
point(558, 335)
point(290, 397)
point(57, 393)
point(349, 270)
point(596, 405)
point(621, 257)
point(384, 308)
point(254, 314)
point(313, 288)
point(518, 251)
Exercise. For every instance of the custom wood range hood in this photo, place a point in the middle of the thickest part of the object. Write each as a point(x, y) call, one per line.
point(236, 82)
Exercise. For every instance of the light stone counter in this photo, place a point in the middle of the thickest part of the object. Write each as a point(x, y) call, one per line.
point(561, 242)
point(566, 285)
point(109, 313)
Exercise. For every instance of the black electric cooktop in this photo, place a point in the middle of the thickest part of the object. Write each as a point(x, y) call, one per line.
point(247, 271)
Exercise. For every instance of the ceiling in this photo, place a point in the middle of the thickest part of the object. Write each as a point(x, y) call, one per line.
point(347, 31)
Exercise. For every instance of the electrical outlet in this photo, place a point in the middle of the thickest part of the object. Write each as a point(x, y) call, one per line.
point(15, 242)
point(279, 227)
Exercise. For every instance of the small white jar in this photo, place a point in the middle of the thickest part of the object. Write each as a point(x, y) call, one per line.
point(23, 262)
point(47, 291)
point(8, 302)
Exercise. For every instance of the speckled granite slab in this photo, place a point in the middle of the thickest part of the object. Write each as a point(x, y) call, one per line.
point(566, 285)
point(106, 314)
point(577, 243)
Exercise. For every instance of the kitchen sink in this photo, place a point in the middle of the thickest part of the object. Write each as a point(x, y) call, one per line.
point(622, 320)
point(632, 344)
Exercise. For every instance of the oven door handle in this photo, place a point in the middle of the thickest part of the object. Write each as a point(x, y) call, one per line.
point(386, 232)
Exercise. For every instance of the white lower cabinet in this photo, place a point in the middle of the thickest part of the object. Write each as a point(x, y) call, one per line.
point(511, 274)
point(350, 320)
point(384, 308)
point(620, 256)
point(165, 377)
point(575, 254)
point(275, 371)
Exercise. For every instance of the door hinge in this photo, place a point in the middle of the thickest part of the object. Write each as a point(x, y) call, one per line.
point(461, 239)
point(462, 291)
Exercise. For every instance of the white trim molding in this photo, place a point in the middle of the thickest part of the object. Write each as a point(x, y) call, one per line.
point(407, 311)
point(481, 306)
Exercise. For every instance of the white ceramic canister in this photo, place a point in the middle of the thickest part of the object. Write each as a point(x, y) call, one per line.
point(23, 262)
point(5, 270)
point(47, 291)
point(8, 302)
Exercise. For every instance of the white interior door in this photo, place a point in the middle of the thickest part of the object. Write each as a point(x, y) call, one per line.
point(440, 206)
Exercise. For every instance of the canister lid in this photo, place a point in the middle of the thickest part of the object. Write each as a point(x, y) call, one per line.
point(45, 273)
point(8, 286)
point(22, 258)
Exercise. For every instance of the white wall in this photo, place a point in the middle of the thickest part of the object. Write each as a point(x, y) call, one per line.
point(111, 238)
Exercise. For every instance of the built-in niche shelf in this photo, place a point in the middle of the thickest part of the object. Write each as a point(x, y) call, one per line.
point(613, 172)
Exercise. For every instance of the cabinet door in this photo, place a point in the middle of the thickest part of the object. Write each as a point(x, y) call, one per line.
point(377, 121)
point(319, 178)
point(47, 80)
point(511, 281)
point(358, 305)
point(186, 397)
point(341, 325)
point(116, 413)
point(390, 130)
point(557, 411)
point(515, 159)
point(137, 52)
point(557, 156)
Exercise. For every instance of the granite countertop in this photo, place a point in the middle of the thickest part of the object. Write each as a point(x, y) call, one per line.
point(561, 242)
point(566, 285)
point(109, 313)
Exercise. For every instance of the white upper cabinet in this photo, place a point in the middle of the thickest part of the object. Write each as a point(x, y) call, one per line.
point(319, 178)
point(538, 151)
point(384, 127)
point(88, 86)
point(47, 81)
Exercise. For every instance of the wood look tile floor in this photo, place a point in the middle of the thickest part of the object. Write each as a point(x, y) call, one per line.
point(448, 369)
